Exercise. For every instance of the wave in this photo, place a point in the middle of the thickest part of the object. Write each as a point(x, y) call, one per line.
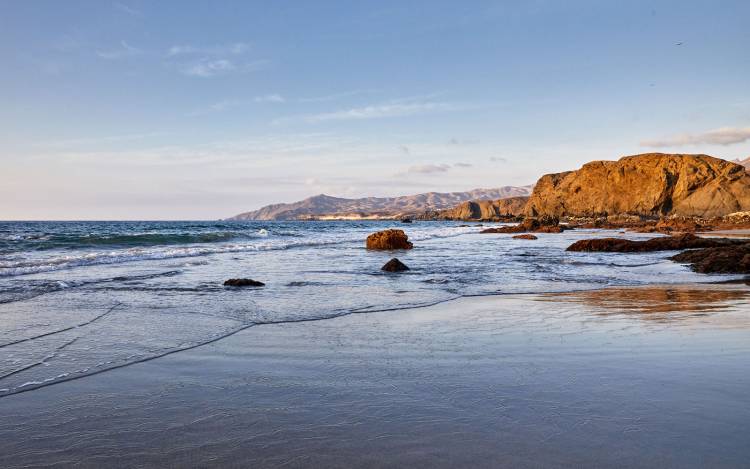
point(43, 242)
point(147, 247)
point(31, 289)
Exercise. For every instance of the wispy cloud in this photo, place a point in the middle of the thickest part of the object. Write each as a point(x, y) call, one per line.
point(124, 50)
point(269, 98)
point(335, 96)
point(127, 9)
point(380, 111)
point(428, 169)
point(86, 141)
point(216, 107)
point(434, 168)
point(209, 68)
point(212, 68)
point(236, 48)
point(722, 136)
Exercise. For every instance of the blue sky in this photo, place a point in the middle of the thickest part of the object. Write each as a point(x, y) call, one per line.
point(199, 110)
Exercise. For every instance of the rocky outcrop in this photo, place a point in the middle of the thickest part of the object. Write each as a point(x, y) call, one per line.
point(394, 265)
point(525, 236)
point(653, 184)
point(725, 260)
point(388, 240)
point(665, 243)
point(243, 282)
point(501, 209)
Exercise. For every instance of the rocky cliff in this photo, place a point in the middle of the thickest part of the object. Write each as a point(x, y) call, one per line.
point(480, 210)
point(652, 184)
point(324, 206)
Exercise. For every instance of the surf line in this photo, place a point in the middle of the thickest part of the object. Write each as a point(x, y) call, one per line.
point(42, 361)
point(228, 334)
point(59, 331)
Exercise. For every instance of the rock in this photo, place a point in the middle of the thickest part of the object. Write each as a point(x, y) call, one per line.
point(545, 224)
point(406, 220)
point(666, 243)
point(653, 184)
point(243, 282)
point(503, 229)
point(388, 240)
point(719, 260)
point(530, 224)
point(394, 265)
point(525, 236)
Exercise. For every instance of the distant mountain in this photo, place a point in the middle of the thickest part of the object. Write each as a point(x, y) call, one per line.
point(327, 207)
point(745, 162)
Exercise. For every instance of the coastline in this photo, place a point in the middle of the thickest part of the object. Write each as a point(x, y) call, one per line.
point(598, 378)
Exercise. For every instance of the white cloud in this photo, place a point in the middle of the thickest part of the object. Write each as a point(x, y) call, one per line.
point(124, 50)
point(269, 98)
point(463, 165)
point(722, 136)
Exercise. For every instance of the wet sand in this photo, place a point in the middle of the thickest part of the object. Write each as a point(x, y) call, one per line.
point(628, 377)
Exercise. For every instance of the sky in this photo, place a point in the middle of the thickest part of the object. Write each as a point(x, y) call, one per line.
point(137, 109)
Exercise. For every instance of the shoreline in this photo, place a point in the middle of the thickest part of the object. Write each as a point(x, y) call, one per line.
point(515, 380)
point(405, 308)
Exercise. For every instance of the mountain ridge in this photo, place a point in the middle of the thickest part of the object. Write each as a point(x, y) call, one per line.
point(330, 207)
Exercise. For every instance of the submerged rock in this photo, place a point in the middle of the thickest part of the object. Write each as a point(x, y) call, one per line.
point(388, 240)
point(394, 265)
point(243, 282)
point(525, 236)
point(720, 260)
point(666, 243)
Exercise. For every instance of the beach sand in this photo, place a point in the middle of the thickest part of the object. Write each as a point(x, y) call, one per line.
point(624, 377)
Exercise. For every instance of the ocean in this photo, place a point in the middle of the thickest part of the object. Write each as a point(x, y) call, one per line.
point(81, 298)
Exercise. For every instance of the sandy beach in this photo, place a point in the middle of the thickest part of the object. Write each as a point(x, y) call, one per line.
point(624, 377)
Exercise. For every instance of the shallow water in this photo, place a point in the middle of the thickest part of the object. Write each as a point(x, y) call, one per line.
point(81, 298)
point(622, 377)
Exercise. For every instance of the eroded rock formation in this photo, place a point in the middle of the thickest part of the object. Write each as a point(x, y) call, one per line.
point(653, 184)
point(389, 239)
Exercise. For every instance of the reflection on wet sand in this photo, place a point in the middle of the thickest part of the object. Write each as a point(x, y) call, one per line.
point(660, 303)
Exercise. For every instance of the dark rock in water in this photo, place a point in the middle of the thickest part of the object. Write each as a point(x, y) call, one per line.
point(243, 282)
point(666, 243)
point(406, 220)
point(388, 240)
point(504, 229)
point(719, 260)
point(525, 236)
point(543, 224)
point(394, 265)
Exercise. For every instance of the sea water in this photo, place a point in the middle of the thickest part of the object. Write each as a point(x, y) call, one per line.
point(79, 298)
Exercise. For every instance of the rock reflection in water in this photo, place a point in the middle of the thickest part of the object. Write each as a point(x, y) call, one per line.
point(660, 303)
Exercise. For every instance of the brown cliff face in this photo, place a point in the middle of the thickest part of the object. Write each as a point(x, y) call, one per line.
point(651, 184)
point(482, 210)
